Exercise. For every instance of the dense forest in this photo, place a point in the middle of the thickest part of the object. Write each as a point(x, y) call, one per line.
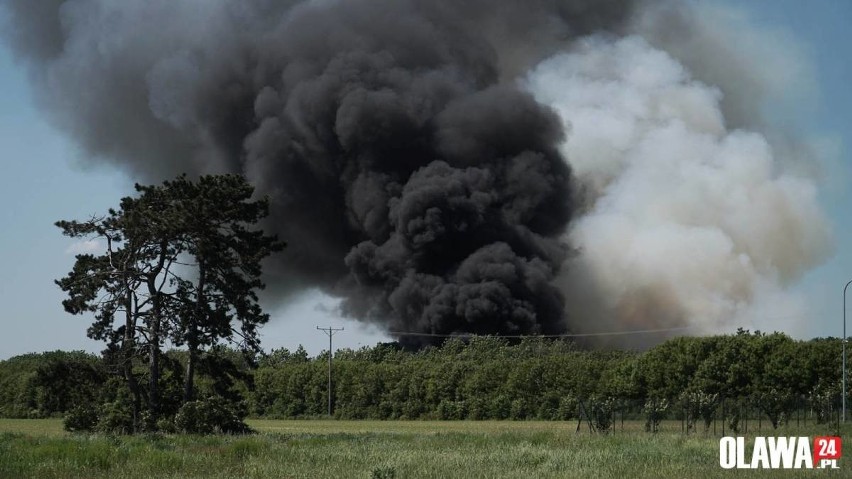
point(695, 378)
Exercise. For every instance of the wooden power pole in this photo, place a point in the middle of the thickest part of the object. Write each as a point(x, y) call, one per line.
point(329, 331)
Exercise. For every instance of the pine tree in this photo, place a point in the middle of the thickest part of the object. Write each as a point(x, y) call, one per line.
point(182, 263)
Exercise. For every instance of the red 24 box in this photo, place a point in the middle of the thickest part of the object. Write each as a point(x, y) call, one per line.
point(827, 450)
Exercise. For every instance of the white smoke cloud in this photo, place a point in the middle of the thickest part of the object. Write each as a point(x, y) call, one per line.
point(687, 222)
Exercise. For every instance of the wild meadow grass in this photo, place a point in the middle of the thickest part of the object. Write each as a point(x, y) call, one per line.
point(377, 449)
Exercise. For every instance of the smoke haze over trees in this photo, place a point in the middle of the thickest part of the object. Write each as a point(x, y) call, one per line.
point(486, 167)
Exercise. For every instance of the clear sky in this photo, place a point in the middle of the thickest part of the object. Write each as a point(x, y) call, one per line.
point(45, 178)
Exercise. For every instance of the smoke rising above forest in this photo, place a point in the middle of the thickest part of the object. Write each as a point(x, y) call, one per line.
point(457, 167)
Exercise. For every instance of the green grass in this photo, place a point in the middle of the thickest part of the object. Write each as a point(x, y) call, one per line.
point(380, 449)
point(33, 427)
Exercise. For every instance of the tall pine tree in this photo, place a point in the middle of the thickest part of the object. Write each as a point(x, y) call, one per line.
point(182, 263)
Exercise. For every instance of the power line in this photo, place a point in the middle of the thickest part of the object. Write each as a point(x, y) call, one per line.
point(570, 335)
point(330, 332)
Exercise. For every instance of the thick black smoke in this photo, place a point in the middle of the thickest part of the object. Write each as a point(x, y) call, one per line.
point(409, 173)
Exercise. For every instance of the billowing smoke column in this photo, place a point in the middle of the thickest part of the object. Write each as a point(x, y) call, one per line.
point(688, 223)
point(419, 154)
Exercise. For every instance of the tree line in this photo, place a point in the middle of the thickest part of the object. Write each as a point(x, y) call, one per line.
point(476, 378)
point(490, 378)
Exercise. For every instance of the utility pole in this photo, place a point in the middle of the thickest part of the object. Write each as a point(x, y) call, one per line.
point(329, 331)
point(843, 393)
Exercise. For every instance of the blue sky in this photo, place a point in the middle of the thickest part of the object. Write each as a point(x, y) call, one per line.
point(46, 178)
point(821, 29)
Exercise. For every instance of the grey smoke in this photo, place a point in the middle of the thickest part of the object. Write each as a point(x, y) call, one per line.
point(408, 172)
point(414, 168)
point(690, 222)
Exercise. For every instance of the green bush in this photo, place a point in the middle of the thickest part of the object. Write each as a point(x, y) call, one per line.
point(212, 415)
point(116, 417)
point(80, 419)
point(601, 410)
point(654, 410)
point(166, 425)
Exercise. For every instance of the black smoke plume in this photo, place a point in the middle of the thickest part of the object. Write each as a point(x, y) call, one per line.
point(409, 173)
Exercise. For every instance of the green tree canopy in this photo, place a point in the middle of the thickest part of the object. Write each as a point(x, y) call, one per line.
point(182, 263)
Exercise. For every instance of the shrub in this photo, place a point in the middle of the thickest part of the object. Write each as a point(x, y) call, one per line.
point(166, 425)
point(80, 419)
point(698, 405)
point(116, 417)
point(734, 413)
point(601, 411)
point(823, 400)
point(212, 415)
point(777, 405)
point(654, 410)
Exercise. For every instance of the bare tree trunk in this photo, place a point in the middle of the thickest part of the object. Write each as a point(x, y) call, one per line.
point(154, 371)
point(128, 346)
point(154, 323)
point(192, 336)
point(189, 380)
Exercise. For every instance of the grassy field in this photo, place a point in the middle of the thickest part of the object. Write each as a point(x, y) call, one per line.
point(377, 449)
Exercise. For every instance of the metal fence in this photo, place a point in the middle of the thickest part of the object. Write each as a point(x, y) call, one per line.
point(721, 416)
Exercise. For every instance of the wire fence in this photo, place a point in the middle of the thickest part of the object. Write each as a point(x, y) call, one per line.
point(719, 416)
